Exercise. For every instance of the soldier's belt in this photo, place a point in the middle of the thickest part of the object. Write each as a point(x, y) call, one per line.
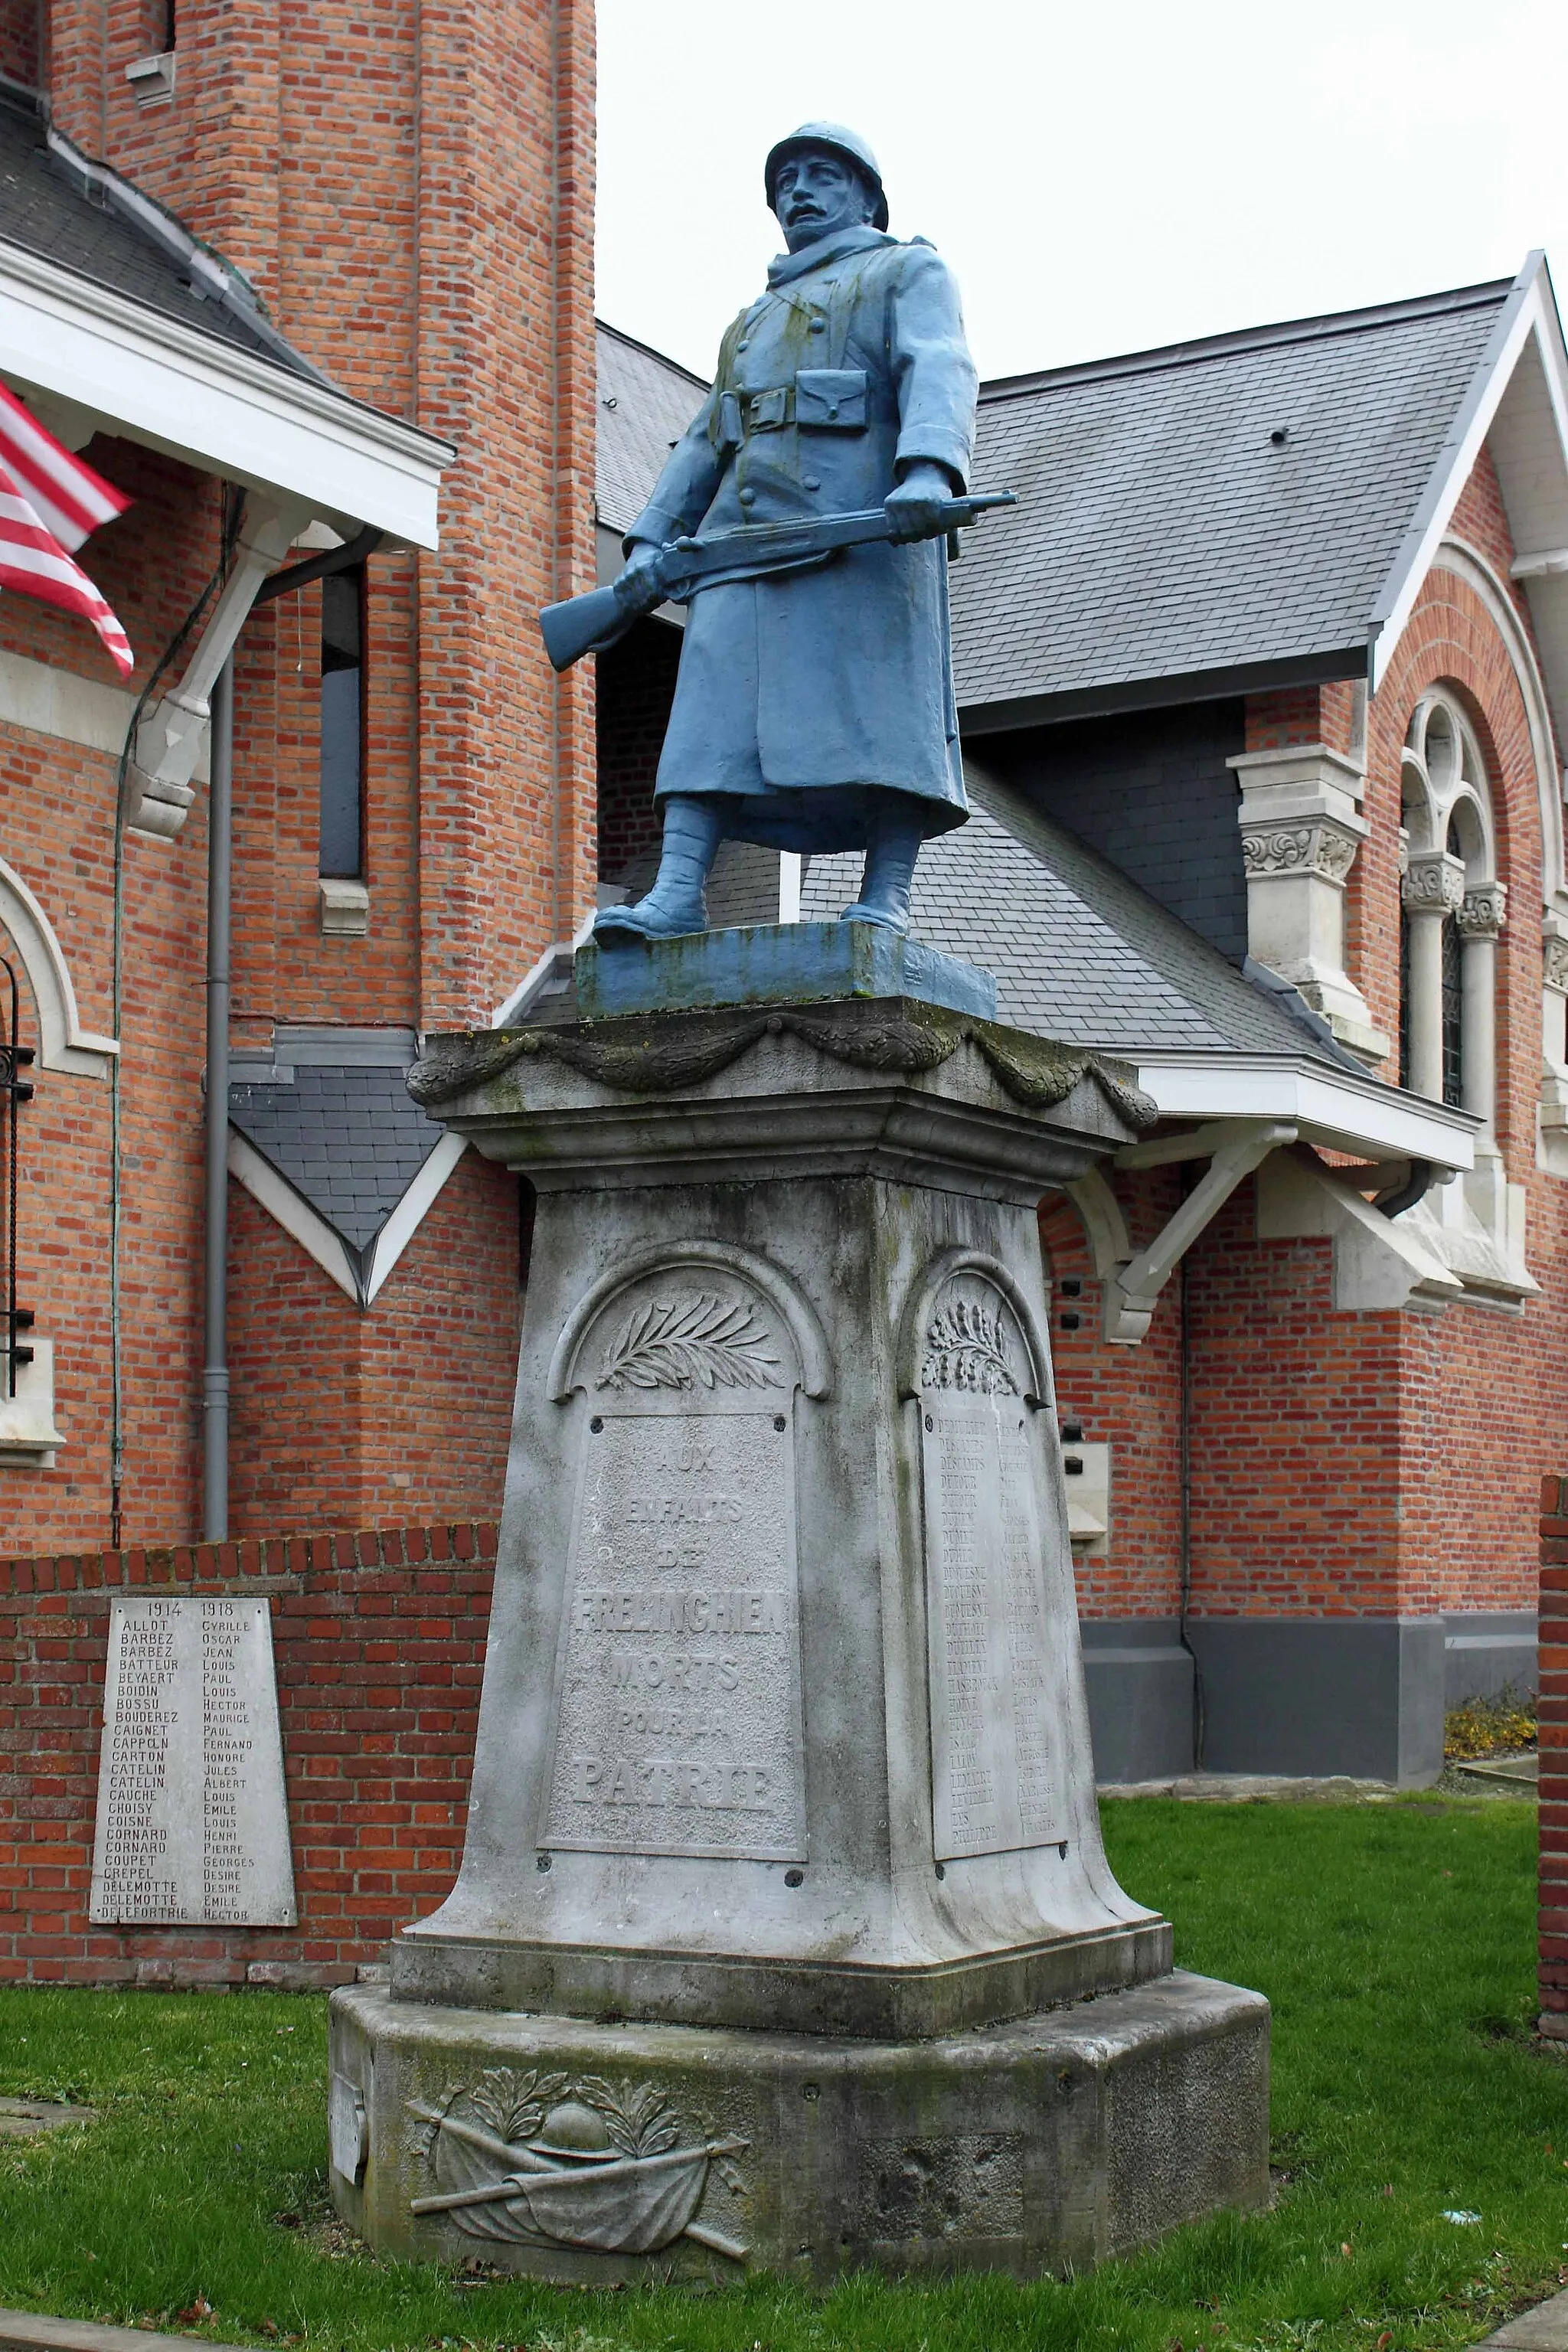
point(820, 400)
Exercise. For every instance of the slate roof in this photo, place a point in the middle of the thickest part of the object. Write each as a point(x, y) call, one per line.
point(350, 1141)
point(646, 404)
point(59, 206)
point(1161, 535)
point(1080, 954)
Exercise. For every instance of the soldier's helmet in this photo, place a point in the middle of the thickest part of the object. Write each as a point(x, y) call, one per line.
point(838, 141)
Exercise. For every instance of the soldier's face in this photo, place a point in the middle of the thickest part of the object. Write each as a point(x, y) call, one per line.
point(815, 195)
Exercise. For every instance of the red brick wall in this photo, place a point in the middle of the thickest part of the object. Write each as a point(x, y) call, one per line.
point(1342, 1463)
point(412, 191)
point(57, 832)
point(19, 40)
point(379, 1640)
point(1554, 1743)
point(344, 1419)
point(1450, 640)
point(1128, 1398)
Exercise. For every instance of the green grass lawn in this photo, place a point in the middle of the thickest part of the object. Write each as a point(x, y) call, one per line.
point(1394, 1939)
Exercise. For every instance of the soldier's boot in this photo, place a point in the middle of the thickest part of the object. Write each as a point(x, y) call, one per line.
point(693, 828)
point(890, 851)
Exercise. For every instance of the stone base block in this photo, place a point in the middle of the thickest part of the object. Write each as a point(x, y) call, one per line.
point(598, 2154)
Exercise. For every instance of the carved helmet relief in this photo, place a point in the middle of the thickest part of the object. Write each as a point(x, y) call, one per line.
point(559, 2159)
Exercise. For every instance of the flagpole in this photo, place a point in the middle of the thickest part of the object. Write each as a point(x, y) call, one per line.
point(220, 859)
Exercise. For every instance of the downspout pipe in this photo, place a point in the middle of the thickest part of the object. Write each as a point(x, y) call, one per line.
point(220, 958)
point(215, 1272)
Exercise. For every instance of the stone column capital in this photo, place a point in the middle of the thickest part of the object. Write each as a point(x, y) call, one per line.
point(1323, 848)
point(1554, 962)
point(1434, 884)
point(1481, 911)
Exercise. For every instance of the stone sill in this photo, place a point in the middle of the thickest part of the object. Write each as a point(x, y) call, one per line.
point(345, 909)
point(151, 80)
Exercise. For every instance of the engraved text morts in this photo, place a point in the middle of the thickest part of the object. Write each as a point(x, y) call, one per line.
point(192, 1821)
point(679, 1724)
point(996, 1701)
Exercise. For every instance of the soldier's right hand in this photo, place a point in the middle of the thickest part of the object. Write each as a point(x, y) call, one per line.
point(639, 587)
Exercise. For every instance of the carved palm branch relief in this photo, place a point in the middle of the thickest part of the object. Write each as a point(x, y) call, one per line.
point(513, 2106)
point(640, 2124)
point(687, 1343)
point(966, 1348)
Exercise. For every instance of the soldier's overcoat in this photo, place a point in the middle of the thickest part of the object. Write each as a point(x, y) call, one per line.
point(797, 693)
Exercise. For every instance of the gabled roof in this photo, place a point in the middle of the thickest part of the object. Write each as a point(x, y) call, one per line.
point(57, 203)
point(1167, 542)
point(351, 1141)
point(115, 318)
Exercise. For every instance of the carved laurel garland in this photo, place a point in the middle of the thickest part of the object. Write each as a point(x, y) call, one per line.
point(665, 1051)
point(686, 1343)
point(966, 1348)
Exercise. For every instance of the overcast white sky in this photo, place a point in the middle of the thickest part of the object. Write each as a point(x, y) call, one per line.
point(1102, 179)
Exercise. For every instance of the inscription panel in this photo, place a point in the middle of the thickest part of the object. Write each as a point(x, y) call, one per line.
point(994, 1667)
point(192, 1824)
point(677, 1726)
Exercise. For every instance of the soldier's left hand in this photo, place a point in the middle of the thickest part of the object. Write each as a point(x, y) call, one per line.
point(915, 508)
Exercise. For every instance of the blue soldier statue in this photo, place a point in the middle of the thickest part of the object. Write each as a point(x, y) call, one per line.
point(814, 709)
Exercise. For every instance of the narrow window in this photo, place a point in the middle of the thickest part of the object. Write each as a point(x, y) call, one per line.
point(343, 725)
point(1404, 1078)
point(1453, 985)
point(1453, 1015)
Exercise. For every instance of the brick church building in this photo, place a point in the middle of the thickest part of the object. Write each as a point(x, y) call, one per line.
point(1262, 687)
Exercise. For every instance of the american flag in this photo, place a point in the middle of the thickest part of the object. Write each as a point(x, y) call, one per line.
point(48, 502)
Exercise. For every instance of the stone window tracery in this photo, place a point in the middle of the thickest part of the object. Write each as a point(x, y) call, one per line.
point(1452, 910)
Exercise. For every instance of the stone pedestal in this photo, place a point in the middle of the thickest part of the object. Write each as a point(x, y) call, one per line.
point(784, 1901)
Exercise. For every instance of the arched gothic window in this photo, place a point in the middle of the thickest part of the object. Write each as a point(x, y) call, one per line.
point(1451, 913)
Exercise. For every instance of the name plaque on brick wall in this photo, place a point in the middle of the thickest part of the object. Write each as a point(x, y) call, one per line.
point(993, 1662)
point(677, 1723)
point(192, 1824)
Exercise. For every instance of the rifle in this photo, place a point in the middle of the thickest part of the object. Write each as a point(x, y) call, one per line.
point(587, 624)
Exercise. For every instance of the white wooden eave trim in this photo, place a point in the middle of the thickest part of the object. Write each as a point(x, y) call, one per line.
point(213, 404)
point(1528, 309)
point(1368, 1120)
